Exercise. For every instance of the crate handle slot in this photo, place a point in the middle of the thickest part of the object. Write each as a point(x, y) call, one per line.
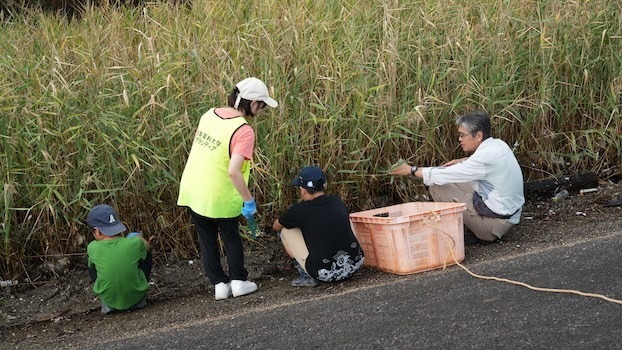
point(435, 216)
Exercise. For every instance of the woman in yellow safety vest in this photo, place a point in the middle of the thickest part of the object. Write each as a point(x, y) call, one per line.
point(214, 184)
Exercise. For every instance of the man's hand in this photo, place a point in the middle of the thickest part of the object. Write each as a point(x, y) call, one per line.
point(403, 170)
point(455, 161)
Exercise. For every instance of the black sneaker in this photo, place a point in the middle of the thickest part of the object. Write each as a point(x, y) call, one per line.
point(470, 238)
point(304, 281)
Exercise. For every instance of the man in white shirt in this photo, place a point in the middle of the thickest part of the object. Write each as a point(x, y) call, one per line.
point(489, 181)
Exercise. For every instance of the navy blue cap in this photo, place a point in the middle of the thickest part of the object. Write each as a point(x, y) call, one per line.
point(106, 220)
point(311, 178)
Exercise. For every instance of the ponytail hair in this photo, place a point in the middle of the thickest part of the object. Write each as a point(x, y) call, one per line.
point(243, 104)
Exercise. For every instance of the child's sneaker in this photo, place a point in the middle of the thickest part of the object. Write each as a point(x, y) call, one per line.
point(239, 287)
point(141, 304)
point(304, 281)
point(106, 309)
point(222, 291)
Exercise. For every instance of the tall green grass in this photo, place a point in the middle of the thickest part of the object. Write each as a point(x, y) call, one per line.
point(103, 108)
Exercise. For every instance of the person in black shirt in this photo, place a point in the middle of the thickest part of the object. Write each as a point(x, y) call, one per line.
point(317, 233)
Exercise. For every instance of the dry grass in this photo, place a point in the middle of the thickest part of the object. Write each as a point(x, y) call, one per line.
point(102, 109)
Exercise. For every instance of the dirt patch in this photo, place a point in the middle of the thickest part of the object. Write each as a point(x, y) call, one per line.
point(62, 311)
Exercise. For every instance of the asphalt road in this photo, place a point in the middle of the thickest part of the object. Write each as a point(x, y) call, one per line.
point(438, 310)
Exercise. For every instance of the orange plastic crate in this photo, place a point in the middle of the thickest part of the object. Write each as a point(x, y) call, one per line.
point(411, 237)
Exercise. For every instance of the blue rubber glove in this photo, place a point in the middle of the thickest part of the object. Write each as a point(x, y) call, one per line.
point(134, 234)
point(249, 208)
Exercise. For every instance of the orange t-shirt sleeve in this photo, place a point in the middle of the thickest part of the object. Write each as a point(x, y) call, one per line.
point(243, 142)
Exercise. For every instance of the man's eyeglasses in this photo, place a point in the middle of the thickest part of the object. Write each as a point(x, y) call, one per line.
point(463, 135)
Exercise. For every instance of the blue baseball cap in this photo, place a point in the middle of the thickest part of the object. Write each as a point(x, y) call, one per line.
point(106, 220)
point(311, 178)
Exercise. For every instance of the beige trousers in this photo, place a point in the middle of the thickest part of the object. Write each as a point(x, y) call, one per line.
point(295, 245)
point(485, 228)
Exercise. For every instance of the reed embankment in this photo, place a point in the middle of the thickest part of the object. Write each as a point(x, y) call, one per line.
point(102, 109)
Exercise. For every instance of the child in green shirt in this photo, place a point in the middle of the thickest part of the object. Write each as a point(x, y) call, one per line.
point(119, 266)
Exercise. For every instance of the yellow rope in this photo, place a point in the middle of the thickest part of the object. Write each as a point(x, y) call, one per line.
point(551, 290)
point(436, 218)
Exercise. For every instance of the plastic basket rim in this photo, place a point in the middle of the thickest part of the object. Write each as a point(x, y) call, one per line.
point(367, 216)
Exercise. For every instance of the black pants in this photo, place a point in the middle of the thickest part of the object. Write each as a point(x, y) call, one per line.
point(208, 230)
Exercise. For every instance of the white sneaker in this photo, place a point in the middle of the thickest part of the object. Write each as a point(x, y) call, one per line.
point(239, 288)
point(222, 291)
